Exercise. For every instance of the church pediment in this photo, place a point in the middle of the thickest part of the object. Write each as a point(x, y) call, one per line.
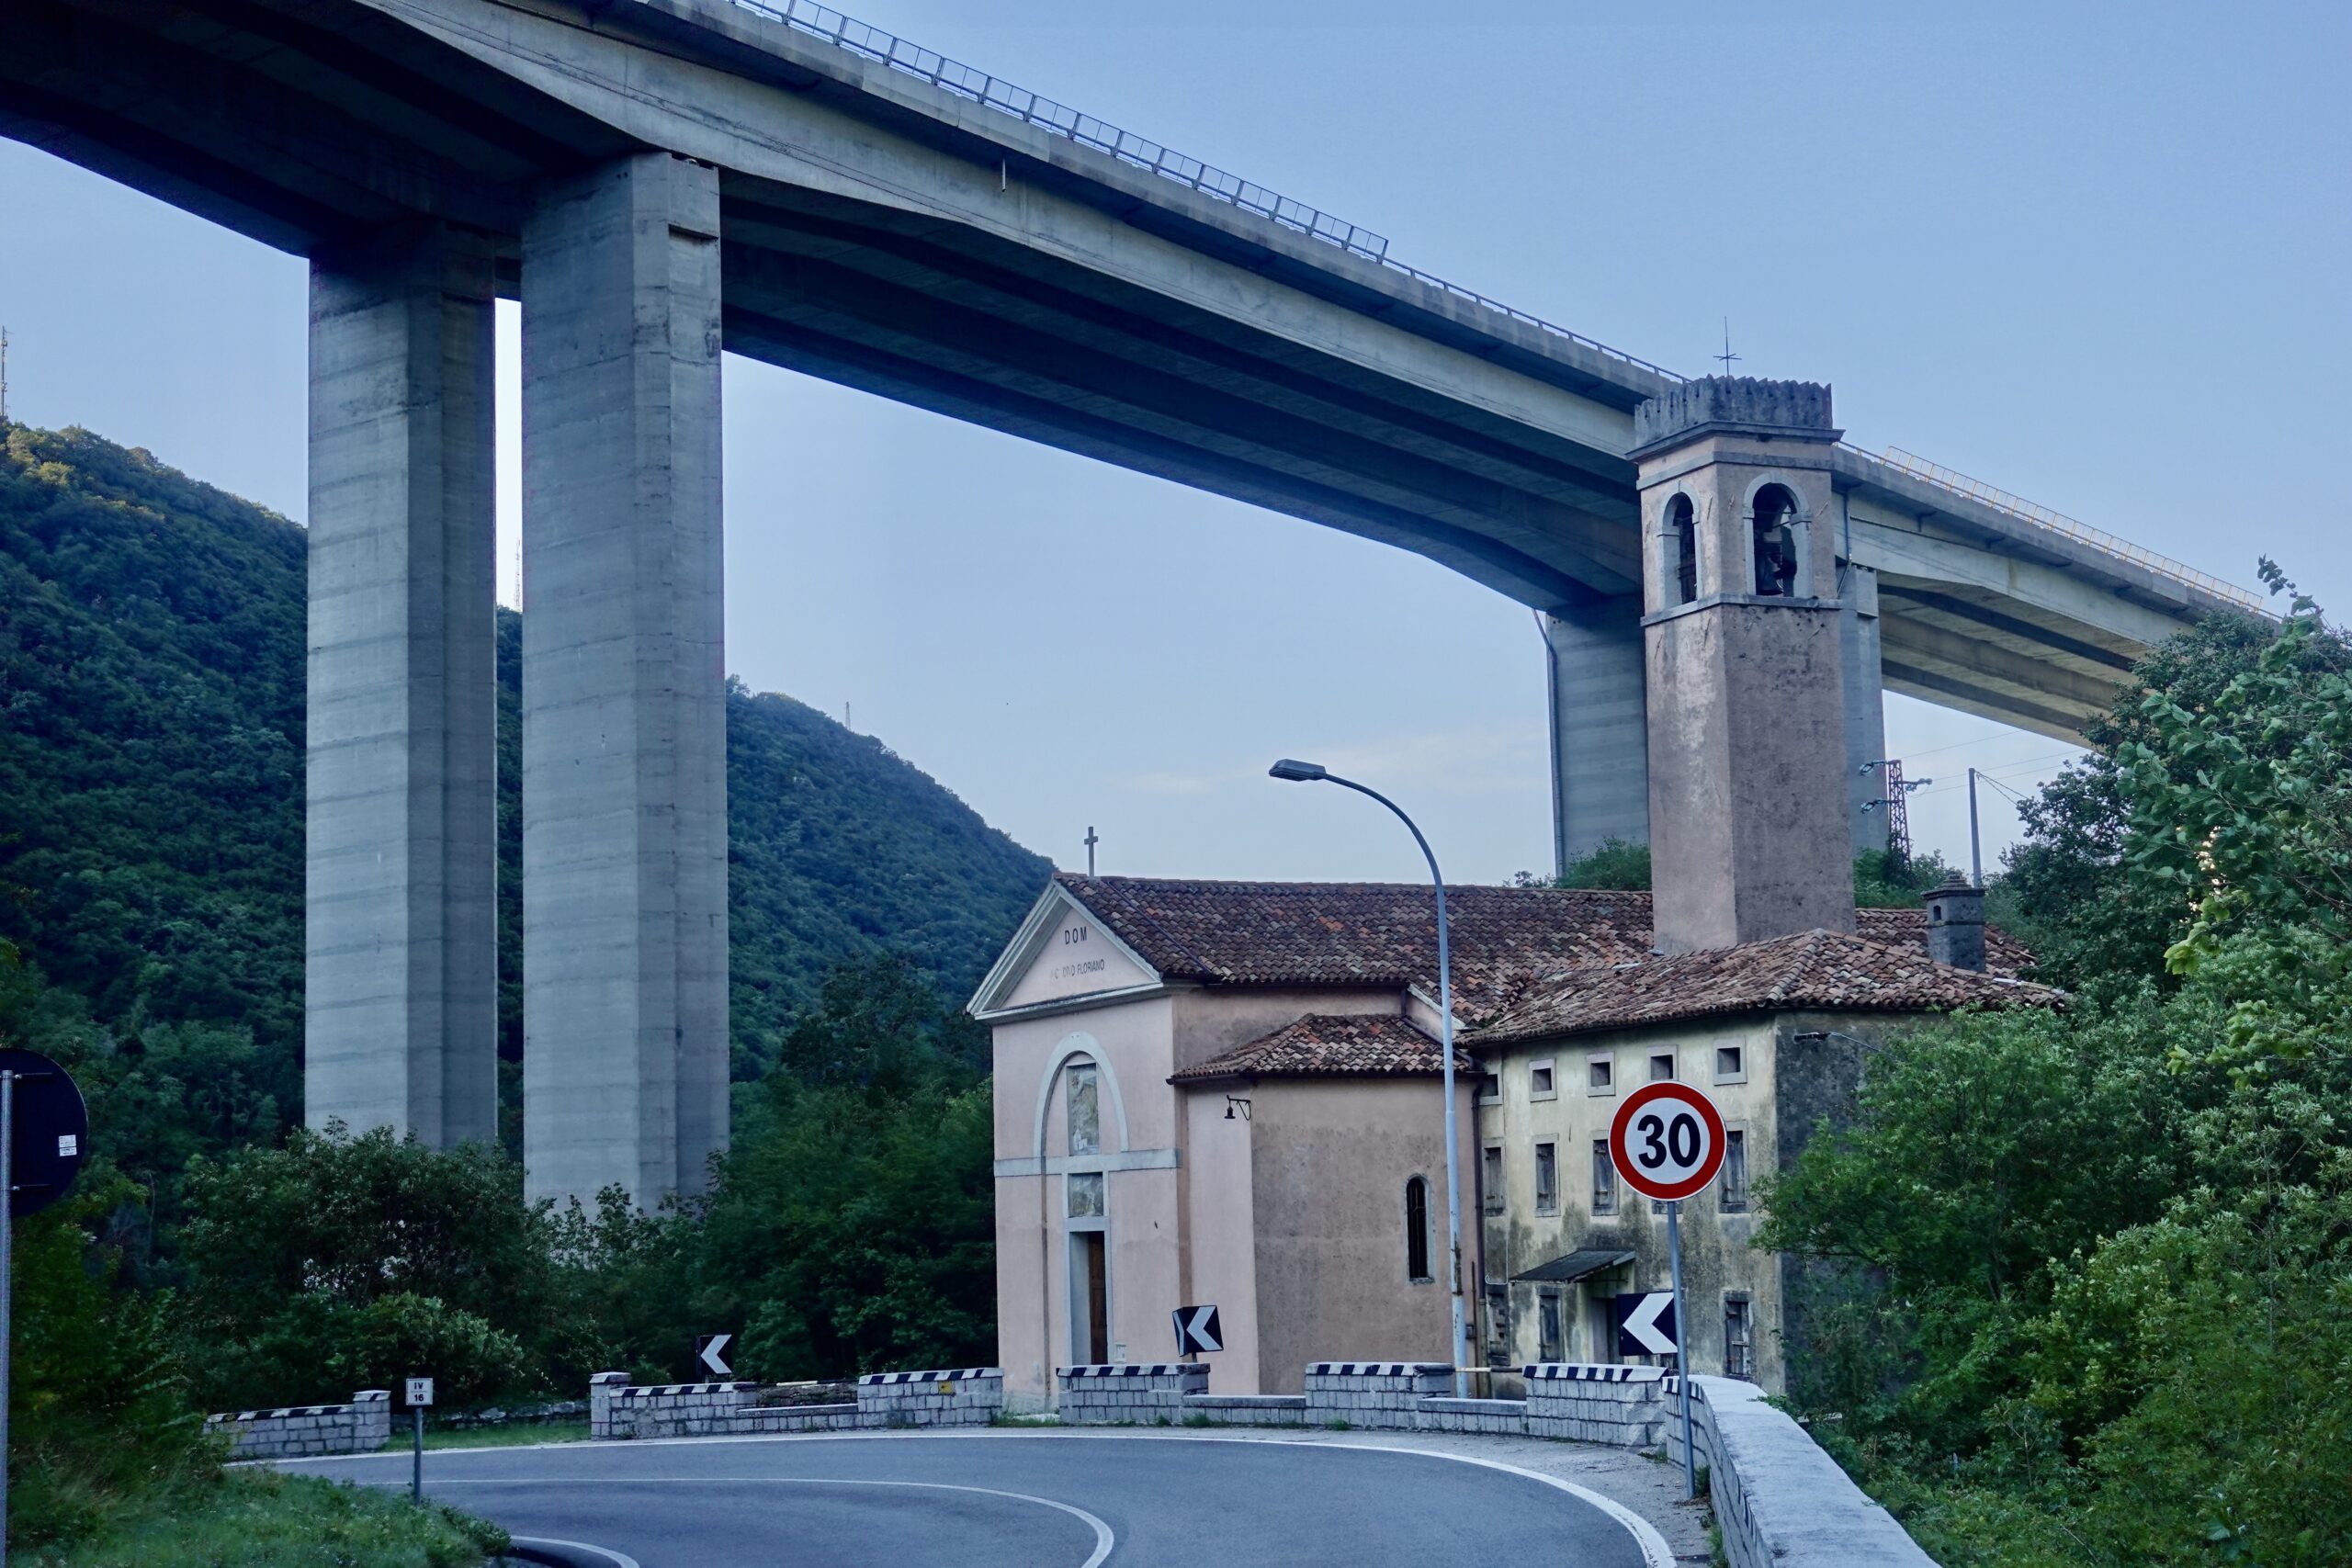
point(1062, 953)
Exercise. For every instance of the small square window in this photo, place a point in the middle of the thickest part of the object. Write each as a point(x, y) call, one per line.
point(1661, 1065)
point(1085, 1194)
point(1731, 1064)
point(1490, 1089)
point(1600, 1074)
point(1539, 1081)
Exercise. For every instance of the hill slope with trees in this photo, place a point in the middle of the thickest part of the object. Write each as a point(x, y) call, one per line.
point(152, 668)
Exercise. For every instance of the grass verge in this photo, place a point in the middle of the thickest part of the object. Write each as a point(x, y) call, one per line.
point(259, 1519)
point(517, 1435)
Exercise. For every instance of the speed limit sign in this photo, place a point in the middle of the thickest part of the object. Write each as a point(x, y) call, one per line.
point(1667, 1141)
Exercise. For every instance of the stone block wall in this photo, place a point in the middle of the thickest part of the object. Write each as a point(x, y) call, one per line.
point(294, 1431)
point(1117, 1393)
point(971, 1396)
point(1626, 1407)
point(1374, 1393)
point(1247, 1409)
point(1781, 1501)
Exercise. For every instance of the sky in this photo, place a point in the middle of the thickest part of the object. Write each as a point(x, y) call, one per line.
point(2099, 261)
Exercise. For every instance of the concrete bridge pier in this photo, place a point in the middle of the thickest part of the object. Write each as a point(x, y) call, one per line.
point(1864, 682)
point(624, 704)
point(1600, 770)
point(1600, 723)
point(400, 863)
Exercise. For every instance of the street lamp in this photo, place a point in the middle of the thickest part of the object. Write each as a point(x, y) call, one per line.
point(1314, 773)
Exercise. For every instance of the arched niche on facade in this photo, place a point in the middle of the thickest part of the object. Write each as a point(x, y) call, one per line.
point(1776, 532)
point(1081, 1048)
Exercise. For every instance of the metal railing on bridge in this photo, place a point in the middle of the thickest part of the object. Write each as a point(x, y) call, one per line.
point(1032, 108)
point(2017, 506)
point(1060, 119)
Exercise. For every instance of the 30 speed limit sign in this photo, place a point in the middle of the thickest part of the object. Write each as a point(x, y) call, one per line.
point(1667, 1141)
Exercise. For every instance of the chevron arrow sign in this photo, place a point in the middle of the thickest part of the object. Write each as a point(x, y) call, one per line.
point(1197, 1331)
point(710, 1350)
point(1645, 1325)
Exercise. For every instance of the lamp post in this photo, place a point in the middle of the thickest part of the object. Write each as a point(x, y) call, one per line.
point(1314, 773)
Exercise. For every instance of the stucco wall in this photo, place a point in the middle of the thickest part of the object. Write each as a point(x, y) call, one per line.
point(1330, 1159)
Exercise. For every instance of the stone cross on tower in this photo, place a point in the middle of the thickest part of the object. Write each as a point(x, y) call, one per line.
point(1749, 793)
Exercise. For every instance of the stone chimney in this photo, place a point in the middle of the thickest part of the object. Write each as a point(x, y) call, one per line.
point(1956, 924)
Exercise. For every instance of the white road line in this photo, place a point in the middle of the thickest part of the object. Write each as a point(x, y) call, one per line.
point(1103, 1540)
point(1656, 1552)
point(619, 1559)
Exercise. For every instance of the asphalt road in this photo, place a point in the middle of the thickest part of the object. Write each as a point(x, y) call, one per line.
point(1017, 1500)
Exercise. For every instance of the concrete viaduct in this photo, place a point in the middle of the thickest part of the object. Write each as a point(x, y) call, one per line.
point(656, 180)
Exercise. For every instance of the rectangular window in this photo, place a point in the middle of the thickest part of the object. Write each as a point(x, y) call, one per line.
point(1085, 1194)
point(1739, 1338)
point(1731, 1064)
point(1490, 1089)
point(1733, 1184)
point(1604, 1178)
point(1539, 1081)
point(1547, 1180)
point(1498, 1324)
point(1493, 1183)
point(1547, 1327)
point(1600, 1074)
point(1085, 1113)
point(1661, 1065)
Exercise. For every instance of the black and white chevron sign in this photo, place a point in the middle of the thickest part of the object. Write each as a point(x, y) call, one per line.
point(709, 1349)
point(1197, 1331)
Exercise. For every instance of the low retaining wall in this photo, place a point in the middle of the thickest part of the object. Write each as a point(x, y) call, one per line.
point(969, 1397)
point(1246, 1409)
point(1781, 1501)
point(1626, 1407)
point(293, 1431)
point(1123, 1392)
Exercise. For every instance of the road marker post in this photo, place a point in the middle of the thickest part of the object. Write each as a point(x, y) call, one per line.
point(420, 1394)
point(1668, 1142)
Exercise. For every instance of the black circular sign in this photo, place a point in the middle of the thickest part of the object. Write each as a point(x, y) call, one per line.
point(52, 1132)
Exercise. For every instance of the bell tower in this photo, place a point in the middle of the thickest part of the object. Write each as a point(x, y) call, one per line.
point(1748, 836)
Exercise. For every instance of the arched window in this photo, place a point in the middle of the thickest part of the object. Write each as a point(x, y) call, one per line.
point(1774, 523)
point(1682, 539)
point(1085, 1106)
point(1417, 1230)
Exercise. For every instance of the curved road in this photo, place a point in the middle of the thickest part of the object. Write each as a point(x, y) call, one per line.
point(1017, 1500)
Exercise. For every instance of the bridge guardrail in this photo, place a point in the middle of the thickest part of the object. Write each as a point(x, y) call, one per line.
point(1033, 108)
point(2042, 516)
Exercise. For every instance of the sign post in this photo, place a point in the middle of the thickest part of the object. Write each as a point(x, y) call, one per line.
point(420, 1394)
point(54, 1125)
point(1667, 1141)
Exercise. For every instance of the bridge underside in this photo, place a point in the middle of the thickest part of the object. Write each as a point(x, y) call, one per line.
point(813, 209)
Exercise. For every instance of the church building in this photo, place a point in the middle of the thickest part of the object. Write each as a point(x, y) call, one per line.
point(1227, 1093)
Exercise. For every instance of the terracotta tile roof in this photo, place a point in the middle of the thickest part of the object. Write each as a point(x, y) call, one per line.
point(1337, 933)
point(1812, 969)
point(1330, 1046)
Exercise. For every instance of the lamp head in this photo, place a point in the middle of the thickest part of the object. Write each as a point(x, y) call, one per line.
point(1297, 772)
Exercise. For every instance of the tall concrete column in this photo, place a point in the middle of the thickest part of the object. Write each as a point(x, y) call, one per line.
point(1865, 688)
point(401, 926)
point(1601, 771)
point(624, 697)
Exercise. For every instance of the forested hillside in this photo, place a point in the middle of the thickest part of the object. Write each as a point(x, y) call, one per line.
point(150, 777)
